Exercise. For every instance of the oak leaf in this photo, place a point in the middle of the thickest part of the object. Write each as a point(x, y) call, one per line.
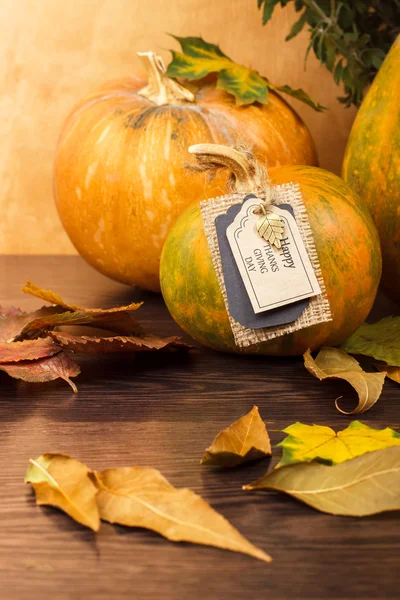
point(244, 441)
point(336, 364)
point(362, 486)
point(380, 341)
point(64, 482)
point(305, 443)
point(142, 497)
point(59, 366)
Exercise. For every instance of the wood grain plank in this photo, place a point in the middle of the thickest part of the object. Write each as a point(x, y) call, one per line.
point(163, 412)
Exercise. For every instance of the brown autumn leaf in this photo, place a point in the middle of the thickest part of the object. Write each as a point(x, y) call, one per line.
point(12, 320)
point(142, 497)
point(337, 364)
point(64, 482)
point(53, 298)
point(392, 372)
point(44, 369)
point(32, 349)
point(27, 350)
point(115, 319)
point(246, 440)
point(365, 485)
point(100, 345)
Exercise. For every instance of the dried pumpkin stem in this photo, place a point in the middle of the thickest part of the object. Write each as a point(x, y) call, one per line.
point(161, 89)
point(246, 173)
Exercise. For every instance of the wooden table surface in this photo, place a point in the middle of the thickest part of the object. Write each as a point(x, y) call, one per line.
point(162, 411)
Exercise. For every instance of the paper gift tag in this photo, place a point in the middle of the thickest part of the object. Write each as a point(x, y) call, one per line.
point(240, 306)
point(272, 277)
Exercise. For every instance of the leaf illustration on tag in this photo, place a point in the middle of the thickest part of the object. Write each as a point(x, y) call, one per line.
point(59, 366)
point(305, 443)
point(246, 440)
point(392, 372)
point(380, 340)
point(270, 227)
point(359, 487)
point(63, 482)
point(142, 497)
point(336, 364)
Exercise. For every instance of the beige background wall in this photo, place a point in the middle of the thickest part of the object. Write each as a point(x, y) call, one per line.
point(53, 51)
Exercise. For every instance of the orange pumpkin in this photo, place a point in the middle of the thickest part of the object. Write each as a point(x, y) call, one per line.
point(372, 163)
point(348, 249)
point(119, 177)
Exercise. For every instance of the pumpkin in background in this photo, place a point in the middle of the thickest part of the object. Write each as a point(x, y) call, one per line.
point(372, 163)
point(119, 176)
point(349, 254)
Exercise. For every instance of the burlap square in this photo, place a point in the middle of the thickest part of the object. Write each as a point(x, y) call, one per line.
point(317, 310)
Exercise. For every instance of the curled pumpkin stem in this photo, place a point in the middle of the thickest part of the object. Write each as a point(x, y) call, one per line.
point(246, 174)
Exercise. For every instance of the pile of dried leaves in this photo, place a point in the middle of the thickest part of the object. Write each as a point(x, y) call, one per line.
point(354, 472)
point(379, 341)
point(33, 348)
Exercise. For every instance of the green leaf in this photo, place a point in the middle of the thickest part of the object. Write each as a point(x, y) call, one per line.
point(366, 485)
point(336, 364)
point(245, 84)
point(246, 440)
point(305, 443)
point(199, 58)
point(64, 482)
point(301, 95)
point(269, 6)
point(297, 27)
point(380, 340)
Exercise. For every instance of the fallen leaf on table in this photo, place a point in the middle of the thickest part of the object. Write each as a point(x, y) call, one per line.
point(305, 443)
point(117, 322)
point(99, 345)
point(64, 482)
point(32, 349)
point(362, 486)
point(142, 497)
point(379, 340)
point(336, 364)
point(59, 366)
point(244, 441)
point(27, 350)
point(392, 372)
point(53, 298)
point(12, 320)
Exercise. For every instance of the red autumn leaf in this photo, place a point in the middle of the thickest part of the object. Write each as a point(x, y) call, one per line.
point(100, 345)
point(27, 350)
point(44, 369)
point(12, 320)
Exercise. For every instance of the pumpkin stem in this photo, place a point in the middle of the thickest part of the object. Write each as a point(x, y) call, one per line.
point(161, 89)
point(246, 173)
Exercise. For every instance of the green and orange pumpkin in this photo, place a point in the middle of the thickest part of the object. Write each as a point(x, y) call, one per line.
point(372, 163)
point(119, 176)
point(348, 249)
